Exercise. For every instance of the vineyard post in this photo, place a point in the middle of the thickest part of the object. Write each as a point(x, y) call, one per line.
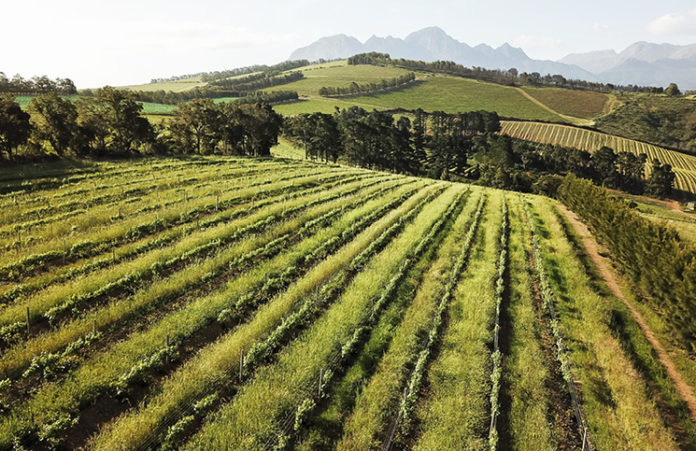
point(94, 326)
point(321, 377)
point(241, 364)
point(166, 355)
point(217, 202)
point(27, 319)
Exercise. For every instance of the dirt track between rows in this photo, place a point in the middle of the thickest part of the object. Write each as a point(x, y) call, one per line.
point(607, 272)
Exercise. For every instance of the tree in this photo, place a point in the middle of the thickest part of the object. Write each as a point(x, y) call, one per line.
point(661, 180)
point(262, 125)
point(603, 164)
point(15, 127)
point(127, 128)
point(55, 121)
point(673, 90)
point(196, 126)
point(93, 123)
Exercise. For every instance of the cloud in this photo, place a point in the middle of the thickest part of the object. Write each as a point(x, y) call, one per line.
point(600, 27)
point(674, 24)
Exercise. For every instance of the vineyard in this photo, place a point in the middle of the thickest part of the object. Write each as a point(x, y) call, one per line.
point(238, 303)
point(684, 165)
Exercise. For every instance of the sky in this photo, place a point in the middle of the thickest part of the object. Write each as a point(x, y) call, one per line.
point(99, 42)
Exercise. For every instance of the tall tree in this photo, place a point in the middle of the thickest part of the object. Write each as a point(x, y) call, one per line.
point(196, 126)
point(127, 128)
point(673, 90)
point(604, 166)
point(15, 127)
point(661, 180)
point(55, 121)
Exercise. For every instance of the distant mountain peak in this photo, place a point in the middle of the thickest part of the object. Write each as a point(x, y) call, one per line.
point(642, 63)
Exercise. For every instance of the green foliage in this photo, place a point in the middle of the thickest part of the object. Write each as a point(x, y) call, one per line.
point(652, 256)
point(371, 88)
point(14, 125)
point(673, 90)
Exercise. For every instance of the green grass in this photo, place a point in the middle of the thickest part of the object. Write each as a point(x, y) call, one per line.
point(449, 94)
point(248, 422)
point(656, 119)
point(175, 86)
point(531, 422)
point(338, 74)
point(455, 414)
point(379, 402)
point(576, 103)
point(285, 149)
point(616, 404)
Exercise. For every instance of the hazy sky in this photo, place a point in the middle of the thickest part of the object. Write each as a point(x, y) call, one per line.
point(100, 42)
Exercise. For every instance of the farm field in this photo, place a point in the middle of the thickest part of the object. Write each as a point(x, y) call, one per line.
point(337, 74)
point(435, 92)
point(238, 303)
point(176, 86)
point(684, 165)
point(575, 103)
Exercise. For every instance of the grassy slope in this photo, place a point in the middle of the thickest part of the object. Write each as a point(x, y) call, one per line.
point(176, 86)
point(440, 92)
point(582, 104)
point(684, 165)
point(337, 74)
point(658, 119)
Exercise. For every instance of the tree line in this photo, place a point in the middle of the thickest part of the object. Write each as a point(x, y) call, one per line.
point(509, 77)
point(111, 124)
point(465, 146)
point(657, 261)
point(36, 85)
point(222, 74)
point(255, 82)
point(174, 98)
point(433, 144)
point(367, 88)
point(240, 87)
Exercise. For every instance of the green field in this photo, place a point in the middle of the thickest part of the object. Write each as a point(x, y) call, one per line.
point(238, 303)
point(445, 93)
point(684, 165)
point(337, 74)
point(656, 119)
point(576, 103)
point(175, 86)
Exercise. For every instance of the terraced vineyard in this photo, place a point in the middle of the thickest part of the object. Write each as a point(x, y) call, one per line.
point(232, 303)
point(684, 165)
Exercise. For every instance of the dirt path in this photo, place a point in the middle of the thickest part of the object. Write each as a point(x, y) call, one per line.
point(571, 119)
point(607, 273)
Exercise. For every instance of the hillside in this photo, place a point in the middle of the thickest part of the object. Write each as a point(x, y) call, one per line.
point(229, 302)
point(658, 119)
point(641, 63)
point(684, 165)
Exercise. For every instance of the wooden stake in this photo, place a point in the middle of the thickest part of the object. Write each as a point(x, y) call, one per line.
point(27, 319)
point(94, 327)
point(241, 364)
point(321, 380)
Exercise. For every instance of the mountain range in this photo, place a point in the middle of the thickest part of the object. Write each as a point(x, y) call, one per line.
point(642, 63)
